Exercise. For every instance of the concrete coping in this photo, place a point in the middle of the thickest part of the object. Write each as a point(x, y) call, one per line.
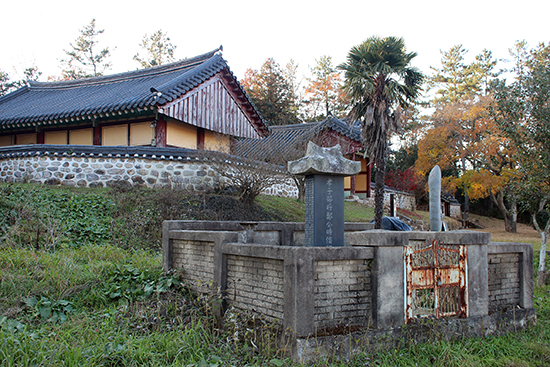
point(459, 237)
point(256, 226)
point(508, 247)
point(282, 252)
point(394, 238)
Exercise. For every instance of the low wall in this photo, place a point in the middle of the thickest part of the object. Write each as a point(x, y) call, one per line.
point(336, 294)
point(403, 200)
point(103, 166)
point(510, 271)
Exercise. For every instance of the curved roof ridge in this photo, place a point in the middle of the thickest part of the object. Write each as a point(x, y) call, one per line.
point(14, 94)
point(304, 125)
point(176, 82)
point(127, 75)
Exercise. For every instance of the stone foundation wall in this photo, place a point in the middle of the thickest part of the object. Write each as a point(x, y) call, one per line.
point(109, 171)
point(403, 200)
point(504, 281)
point(98, 166)
point(342, 293)
point(256, 284)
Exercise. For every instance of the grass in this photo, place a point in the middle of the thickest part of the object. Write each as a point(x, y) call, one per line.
point(108, 303)
point(293, 210)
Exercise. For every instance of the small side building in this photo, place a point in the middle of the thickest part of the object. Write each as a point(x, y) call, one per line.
point(288, 142)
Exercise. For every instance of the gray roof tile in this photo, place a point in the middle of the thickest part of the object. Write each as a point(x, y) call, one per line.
point(39, 102)
point(293, 138)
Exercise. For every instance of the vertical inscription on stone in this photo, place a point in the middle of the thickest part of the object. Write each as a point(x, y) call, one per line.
point(325, 216)
point(309, 212)
point(329, 214)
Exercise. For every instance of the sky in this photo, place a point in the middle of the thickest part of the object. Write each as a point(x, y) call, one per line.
point(35, 33)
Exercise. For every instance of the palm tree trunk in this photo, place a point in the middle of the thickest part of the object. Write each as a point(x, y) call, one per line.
point(379, 190)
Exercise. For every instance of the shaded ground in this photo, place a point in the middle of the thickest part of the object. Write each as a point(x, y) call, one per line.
point(526, 233)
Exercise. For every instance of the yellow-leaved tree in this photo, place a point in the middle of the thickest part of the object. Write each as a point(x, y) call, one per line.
point(464, 138)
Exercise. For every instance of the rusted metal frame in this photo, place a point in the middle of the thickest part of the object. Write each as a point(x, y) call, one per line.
point(434, 280)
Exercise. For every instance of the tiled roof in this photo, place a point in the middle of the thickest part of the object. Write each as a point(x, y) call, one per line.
point(88, 98)
point(293, 137)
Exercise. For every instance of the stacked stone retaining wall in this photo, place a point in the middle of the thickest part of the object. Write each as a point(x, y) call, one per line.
point(99, 166)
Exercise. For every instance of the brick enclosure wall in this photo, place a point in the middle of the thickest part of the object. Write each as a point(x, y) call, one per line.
point(196, 258)
point(256, 284)
point(504, 281)
point(342, 293)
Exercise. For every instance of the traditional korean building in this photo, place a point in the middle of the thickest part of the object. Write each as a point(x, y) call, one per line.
point(154, 127)
point(196, 103)
point(288, 142)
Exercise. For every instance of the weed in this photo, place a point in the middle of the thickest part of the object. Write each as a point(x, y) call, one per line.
point(50, 310)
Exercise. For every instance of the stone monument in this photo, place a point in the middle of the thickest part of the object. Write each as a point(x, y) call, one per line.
point(434, 184)
point(324, 169)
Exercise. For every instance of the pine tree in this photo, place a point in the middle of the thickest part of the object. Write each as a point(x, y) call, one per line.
point(84, 59)
point(159, 50)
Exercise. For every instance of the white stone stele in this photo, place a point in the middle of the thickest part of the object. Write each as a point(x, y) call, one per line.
point(326, 161)
point(434, 184)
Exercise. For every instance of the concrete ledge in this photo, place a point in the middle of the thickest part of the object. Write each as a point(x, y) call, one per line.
point(425, 330)
point(460, 237)
point(507, 247)
point(378, 237)
point(280, 252)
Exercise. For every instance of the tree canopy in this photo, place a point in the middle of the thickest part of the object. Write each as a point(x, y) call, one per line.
point(324, 92)
point(380, 84)
point(84, 59)
point(159, 50)
point(463, 137)
point(524, 115)
point(272, 92)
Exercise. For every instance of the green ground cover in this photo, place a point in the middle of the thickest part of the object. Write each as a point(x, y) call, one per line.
point(81, 285)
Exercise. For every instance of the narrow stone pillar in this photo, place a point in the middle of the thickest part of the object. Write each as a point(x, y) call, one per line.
point(299, 306)
point(434, 184)
point(325, 169)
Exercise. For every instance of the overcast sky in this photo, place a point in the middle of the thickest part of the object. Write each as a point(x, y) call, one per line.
point(37, 32)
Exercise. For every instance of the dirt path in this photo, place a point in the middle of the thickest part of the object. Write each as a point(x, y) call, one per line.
point(525, 233)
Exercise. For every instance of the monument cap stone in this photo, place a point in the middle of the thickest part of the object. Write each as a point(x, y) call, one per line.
point(324, 161)
point(324, 169)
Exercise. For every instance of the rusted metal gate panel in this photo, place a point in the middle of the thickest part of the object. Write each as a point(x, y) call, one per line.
point(436, 280)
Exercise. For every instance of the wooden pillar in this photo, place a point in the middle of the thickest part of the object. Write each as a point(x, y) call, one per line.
point(40, 137)
point(97, 135)
point(200, 138)
point(160, 132)
point(352, 179)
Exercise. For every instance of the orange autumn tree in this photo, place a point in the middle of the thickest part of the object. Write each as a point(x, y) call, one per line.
point(324, 94)
point(464, 138)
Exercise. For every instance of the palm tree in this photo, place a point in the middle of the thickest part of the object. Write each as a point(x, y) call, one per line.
point(380, 83)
